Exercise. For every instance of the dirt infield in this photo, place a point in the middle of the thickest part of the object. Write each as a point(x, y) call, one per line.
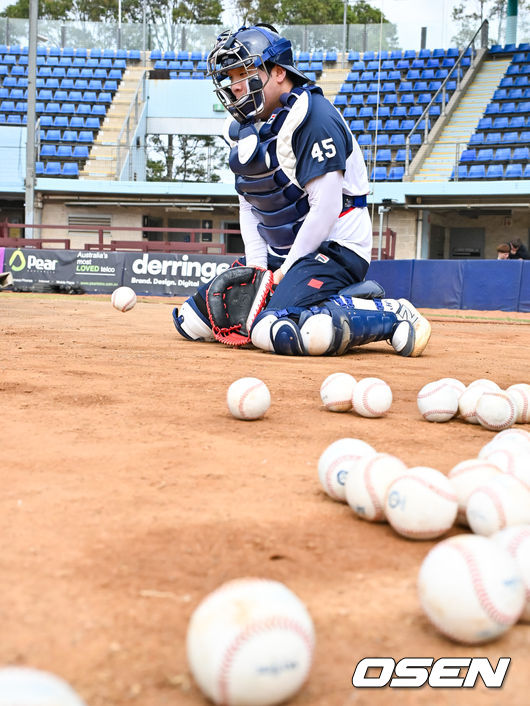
point(128, 493)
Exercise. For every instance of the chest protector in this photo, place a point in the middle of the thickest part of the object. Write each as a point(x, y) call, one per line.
point(279, 204)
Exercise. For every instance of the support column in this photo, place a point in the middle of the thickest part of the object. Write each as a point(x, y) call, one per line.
point(511, 22)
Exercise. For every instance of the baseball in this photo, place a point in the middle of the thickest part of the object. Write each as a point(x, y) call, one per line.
point(123, 298)
point(367, 484)
point(496, 410)
point(248, 398)
point(513, 460)
point(467, 403)
point(437, 401)
point(507, 439)
point(372, 397)
point(250, 642)
point(465, 477)
point(336, 392)
point(516, 540)
point(520, 394)
point(500, 502)
point(337, 461)
point(485, 384)
point(421, 504)
point(24, 686)
point(470, 589)
point(457, 385)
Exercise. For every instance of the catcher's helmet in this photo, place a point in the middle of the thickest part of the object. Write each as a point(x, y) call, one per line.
point(249, 48)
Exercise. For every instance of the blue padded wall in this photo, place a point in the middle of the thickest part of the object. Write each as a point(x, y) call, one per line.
point(438, 283)
point(492, 284)
point(489, 285)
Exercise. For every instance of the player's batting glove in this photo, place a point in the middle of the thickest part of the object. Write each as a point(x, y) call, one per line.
point(234, 299)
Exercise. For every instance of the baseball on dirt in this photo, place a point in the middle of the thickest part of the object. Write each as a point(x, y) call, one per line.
point(336, 392)
point(457, 385)
point(372, 397)
point(123, 298)
point(421, 504)
point(250, 643)
point(520, 394)
point(516, 540)
point(248, 398)
point(517, 439)
point(500, 502)
point(496, 410)
point(24, 686)
point(470, 589)
point(437, 401)
point(367, 484)
point(467, 403)
point(465, 477)
point(337, 460)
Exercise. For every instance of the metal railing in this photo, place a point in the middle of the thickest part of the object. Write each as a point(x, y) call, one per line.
point(483, 30)
point(194, 243)
point(130, 123)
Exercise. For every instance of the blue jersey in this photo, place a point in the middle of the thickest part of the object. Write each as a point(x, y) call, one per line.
point(322, 143)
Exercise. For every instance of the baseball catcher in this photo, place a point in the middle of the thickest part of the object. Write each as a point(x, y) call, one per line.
point(302, 186)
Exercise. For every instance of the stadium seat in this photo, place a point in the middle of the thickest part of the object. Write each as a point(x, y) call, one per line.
point(461, 172)
point(526, 173)
point(64, 151)
point(396, 173)
point(468, 156)
point(397, 140)
point(483, 155)
point(493, 138)
point(378, 174)
point(502, 154)
point(47, 151)
point(80, 152)
point(495, 171)
point(364, 140)
point(477, 171)
point(357, 126)
point(70, 169)
point(514, 171)
point(383, 156)
point(69, 136)
point(77, 122)
point(521, 154)
point(52, 169)
point(476, 139)
point(366, 111)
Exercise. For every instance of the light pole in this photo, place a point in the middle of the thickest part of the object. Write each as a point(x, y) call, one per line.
point(344, 34)
point(29, 215)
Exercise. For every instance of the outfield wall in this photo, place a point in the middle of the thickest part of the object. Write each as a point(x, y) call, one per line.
point(494, 285)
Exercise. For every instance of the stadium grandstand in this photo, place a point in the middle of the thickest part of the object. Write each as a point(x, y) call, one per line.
point(445, 133)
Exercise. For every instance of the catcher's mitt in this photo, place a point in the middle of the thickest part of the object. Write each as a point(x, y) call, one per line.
point(234, 299)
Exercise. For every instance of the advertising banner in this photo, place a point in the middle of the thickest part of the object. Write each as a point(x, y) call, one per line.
point(64, 270)
point(172, 274)
point(94, 272)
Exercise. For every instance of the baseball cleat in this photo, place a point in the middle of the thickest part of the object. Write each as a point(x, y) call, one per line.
point(422, 328)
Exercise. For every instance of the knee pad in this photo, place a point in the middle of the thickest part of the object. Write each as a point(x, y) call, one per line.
point(191, 323)
point(315, 331)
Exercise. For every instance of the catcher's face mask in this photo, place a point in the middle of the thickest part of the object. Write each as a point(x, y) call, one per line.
point(237, 57)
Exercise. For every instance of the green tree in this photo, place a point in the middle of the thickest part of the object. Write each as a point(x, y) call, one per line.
point(185, 158)
point(316, 12)
point(469, 16)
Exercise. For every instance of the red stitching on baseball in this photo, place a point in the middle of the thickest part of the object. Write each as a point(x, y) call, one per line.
point(371, 490)
point(272, 623)
point(481, 591)
point(365, 395)
point(496, 504)
point(436, 411)
point(431, 392)
point(447, 495)
point(245, 395)
point(512, 408)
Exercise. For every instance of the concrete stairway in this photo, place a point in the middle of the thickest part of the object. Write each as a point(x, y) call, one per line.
point(332, 79)
point(102, 161)
point(463, 122)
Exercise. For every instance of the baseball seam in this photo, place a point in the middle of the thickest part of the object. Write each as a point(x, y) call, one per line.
point(496, 504)
point(274, 622)
point(378, 508)
point(481, 592)
point(244, 396)
point(364, 399)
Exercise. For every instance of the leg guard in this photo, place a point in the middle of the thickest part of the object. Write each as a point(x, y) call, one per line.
point(191, 323)
point(330, 329)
